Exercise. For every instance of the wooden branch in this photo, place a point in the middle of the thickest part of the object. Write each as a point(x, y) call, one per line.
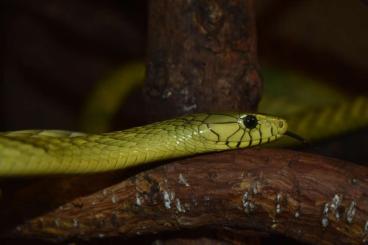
point(201, 58)
point(311, 198)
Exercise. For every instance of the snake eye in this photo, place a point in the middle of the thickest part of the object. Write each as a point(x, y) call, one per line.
point(250, 121)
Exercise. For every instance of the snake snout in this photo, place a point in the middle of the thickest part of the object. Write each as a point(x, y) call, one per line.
point(281, 126)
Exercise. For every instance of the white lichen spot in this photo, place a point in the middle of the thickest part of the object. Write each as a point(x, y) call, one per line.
point(19, 228)
point(245, 197)
point(354, 181)
point(186, 206)
point(274, 226)
point(324, 222)
point(182, 180)
point(172, 195)
point(166, 94)
point(365, 231)
point(189, 107)
point(114, 199)
point(278, 197)
point(297, 214)
point(278, 203)
point(335, 204)
point(350, 213)
point(75, 223)
point(167, 200)
point(179, 207)
point(336, 201)
point(57, 222)
point(248, 206)
point(93, 203)
point(138, 200)
point(256, 187)
point(99, 216)
point(278, 208)
point(104, 192)
point(325, 210)
point(101, 235)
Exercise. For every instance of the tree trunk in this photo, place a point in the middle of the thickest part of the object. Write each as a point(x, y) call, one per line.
point(201, 58)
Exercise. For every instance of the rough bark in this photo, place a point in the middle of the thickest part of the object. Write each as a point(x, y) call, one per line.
point(201, 57)
point(308, 197)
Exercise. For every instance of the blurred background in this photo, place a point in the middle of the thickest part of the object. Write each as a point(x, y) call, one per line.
point(55, 53)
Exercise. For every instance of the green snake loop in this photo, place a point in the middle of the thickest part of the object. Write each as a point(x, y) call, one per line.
point(39, 152)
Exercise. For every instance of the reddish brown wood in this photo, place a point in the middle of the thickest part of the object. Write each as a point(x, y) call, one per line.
point(311, 198)
point(201, 57)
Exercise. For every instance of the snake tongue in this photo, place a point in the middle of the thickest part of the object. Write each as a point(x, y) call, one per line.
point(296, 137)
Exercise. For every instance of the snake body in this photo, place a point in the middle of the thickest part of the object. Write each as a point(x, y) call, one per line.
point(39, 152)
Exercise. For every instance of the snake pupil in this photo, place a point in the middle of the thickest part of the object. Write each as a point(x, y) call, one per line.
point(250, 121)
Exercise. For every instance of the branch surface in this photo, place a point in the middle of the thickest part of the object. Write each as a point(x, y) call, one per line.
point(310, 198)
point(201, 58)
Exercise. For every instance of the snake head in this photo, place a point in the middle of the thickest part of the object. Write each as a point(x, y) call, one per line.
point(234, 130)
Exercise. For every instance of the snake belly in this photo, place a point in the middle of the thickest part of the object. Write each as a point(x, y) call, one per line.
point(40, 152)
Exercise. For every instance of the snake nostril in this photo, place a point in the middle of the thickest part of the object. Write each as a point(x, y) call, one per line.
point(281, 124)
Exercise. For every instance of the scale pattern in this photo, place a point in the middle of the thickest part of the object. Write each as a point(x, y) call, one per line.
point(38, 152)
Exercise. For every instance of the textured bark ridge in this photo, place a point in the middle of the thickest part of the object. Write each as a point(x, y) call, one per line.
point(201, 57)
point(308, 197)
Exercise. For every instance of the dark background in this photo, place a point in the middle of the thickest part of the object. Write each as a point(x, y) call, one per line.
point(53, 51)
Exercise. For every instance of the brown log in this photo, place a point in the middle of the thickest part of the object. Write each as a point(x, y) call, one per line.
point(308, 197)
point(201, 58)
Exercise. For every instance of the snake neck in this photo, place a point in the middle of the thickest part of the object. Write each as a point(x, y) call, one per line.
point(155, 142)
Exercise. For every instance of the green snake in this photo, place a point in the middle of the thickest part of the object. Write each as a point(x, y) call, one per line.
point(39, 152)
